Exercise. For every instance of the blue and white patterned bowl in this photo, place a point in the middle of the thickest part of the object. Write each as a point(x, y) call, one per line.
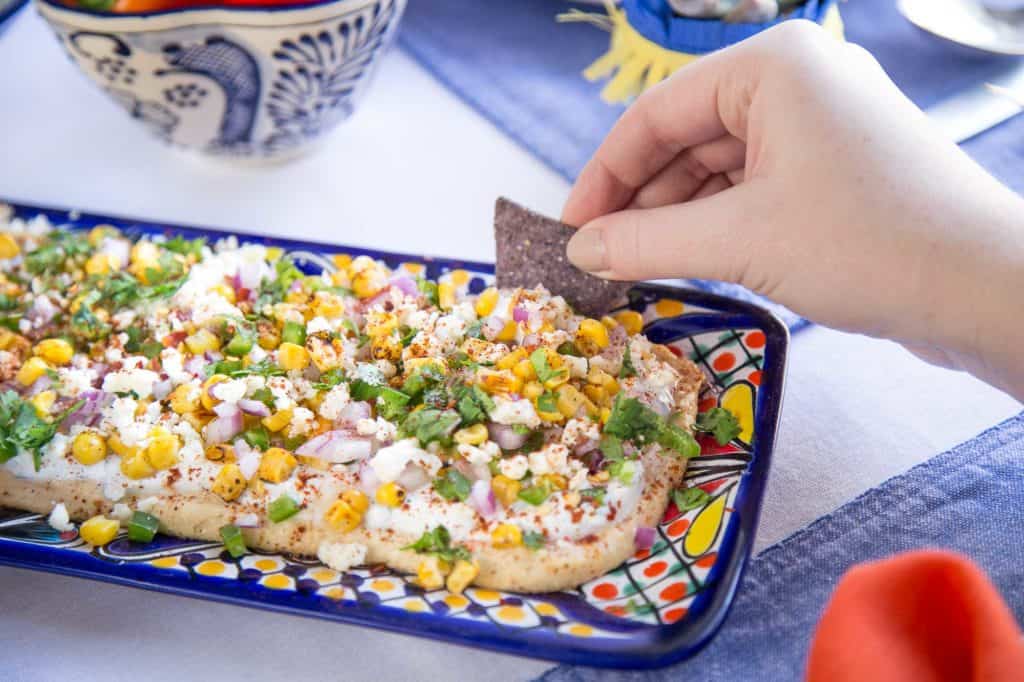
point(244, 83)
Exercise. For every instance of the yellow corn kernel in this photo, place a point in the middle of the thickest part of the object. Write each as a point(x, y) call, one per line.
point(119, 447)
point(343, 517)
point(596, 393)
point(471, 435)
point(99, 530)
point(386, 348)
point(341, 260)
point(631, 320)
point(202, 341)
point(43, 401)
point(512, 359)
point(599, 377)
point(463, 573)
point(555, 481)
point(502, 381)
point(505, 489)
point(258, 487)
point(413, 364)
point(430, 573)
point(532, 390)
point(525, 370)
point(357, 499)
point(508, 333)
point(225, 291)
point(185, 399)
point(278, 420)
point(222, 452)
point(101, 263)
point(606, 413)
point(89, 448)
point(145, 253)
point(6, 338)
point(327, 304)
point(268, 337)
point(206, 397)
point(100, 232)
point(390, 495)
point(33, 368)
point(551, 417)
point(277, 465)
point(274, 253)
point(486, 302)
point(8, 246)
point(506, 536)
point(445, 295)
point(136, 466)
point(325, 354)
point(609, 322)
point(592, 337)
point(380, 324)
point(368, 282)
point(569, 400)
point(162, 451)
point(230, 483)
point(291, 356)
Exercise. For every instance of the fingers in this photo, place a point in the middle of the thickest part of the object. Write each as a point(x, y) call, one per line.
point(681, 179)
point(706, 238)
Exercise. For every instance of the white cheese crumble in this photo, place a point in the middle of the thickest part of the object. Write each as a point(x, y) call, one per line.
point(514, 467)
point(513, 412)
point(59, 519)
point(139, 381)
point(341, 556)
point(334, 402)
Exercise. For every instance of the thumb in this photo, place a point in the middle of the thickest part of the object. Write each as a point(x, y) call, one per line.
point(707, 238)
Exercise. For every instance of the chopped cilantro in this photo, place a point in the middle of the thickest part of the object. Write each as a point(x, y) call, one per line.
point(391, 404)
point(431, 425)
point(436, 397)
point(475, 330)
point(534, 540)
point(473, 404)
point(408, 334)
point(186, 247)
point(539, 360)
point(595, 495)
point(632, 420)
point(451, 485)
point(330, 379)
point(235, 369)
point(720, 423)
point(422, 378)
point(569, 348)
point(429, 289)
point(689, 498)
point(257, 436)
point(264, 395)
point(611, 447)
point(628, 370)
point(20, 425)
point(546, 402)
point(438, 542)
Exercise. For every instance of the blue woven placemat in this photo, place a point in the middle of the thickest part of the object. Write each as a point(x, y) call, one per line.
point(970, 499)
point(521, 70)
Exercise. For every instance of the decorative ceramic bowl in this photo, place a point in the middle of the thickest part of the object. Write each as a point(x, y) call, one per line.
point(248, 83)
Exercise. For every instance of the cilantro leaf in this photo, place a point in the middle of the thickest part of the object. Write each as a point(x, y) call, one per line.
point(186, 247)
point(689, 498)
point(628, 370)
point(330, 379)
point(438, 542)
point(546, 402)
point(473, 404)
point(539, 360)
point(720, 423)
point(632, 420)
point(431, 425)
point(534, 540)
point(391, 404)
point(452, 485)
point(595, 495)
point(679, 440)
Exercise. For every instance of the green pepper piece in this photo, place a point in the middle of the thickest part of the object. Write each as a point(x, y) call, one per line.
point(293, 332)
point(142, 527)
point(282, 508)
point(234, 542)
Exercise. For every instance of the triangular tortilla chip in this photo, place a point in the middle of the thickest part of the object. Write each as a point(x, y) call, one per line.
point(531, 252)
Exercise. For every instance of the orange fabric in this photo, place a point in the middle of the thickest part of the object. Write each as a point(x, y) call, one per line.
point(924, 617)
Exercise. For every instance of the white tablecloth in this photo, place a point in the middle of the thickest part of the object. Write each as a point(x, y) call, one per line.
point(415, 170)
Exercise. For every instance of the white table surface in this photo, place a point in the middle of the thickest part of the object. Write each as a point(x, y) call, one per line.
point(415, 170)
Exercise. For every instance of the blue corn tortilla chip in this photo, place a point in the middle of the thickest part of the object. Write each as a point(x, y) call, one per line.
point(531, 252)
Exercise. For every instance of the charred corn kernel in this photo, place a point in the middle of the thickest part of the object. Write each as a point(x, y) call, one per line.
point(8, 246)
point(390, 495)
point(368, 282)
point(268, 337)
point(291, 356)
point(486, 302)
point(512, 359)
point(479, 350)
point(430, 573)
point(609, 322)
point(324, 353)
point(206, 396)
point(278, 420)
point(225, 291)
point(203, 340)
point(569, 400)
point(230, 482)
point(220, 453)
point(33, 368)
point(532, 390)
point(386, 348)
point(505, 489)
point(471, 435)
point(99, 530)
point(327, 304)
point(101, 264)
point(501, 381)
point(6, 338)
point(257, 486)
point(556, 481)
point(343, 517)
point(277, 465)
point(380, 324)
point(89, 448)
point(357, 499)
point(631, 321)
point(185, 399)
point(508, 333)
point(595, 333)
point(506, 536)
point(445, 295)
point(462, 575)
point(525, 370)
point(162, 451)
point(136, 466)
point(43, 401)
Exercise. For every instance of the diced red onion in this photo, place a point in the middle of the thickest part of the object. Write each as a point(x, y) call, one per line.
point(660, 407)
point(481, 498)
point(118, 248)
point(644, 537)
point(491, 327)
point(214, 355)
point(466, 469)
point(225, 409)
point(250, 274)
point(413, 477)
point(89, 410)
point(195, 364)
point(531, 340)
point(223, 429)
point(352, 413)
point(254, 407)
point(595, 460)
point(41, 384)
point(42, 310)
point(162, 389)
point(406, 284)
point(248, 458)
point(585, 447)
point(247, 521)
point(505, 436)
point(338, 447)
point(519, 314)
point(368, 480)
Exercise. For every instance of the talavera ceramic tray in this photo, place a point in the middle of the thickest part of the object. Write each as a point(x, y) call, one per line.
point(659, 607)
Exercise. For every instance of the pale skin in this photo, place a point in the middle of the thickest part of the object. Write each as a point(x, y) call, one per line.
point(791, 164)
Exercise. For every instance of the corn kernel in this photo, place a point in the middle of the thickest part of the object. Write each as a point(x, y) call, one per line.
point(100, 232)
point(33, 368)
point(274, 253)
point(445, 295)
point(486, 302)
point(230, 483)
point(556, 481)
point(99, 530)
point(606, 414)
point(532, 390)
point(8, 246)
point(386, 348)
point(6, 338)
point(43, 401)
point(162, 451)
point(225, 291)
point(185, 399)
point(119, 447)
point(292, 356)
point(551, 417)
point(343, 517)
point(430, 573)
point(327, 304)
point(222, 452)
point(368, 282)
point(357, 499)
point(145, 253)
point(278, 420)
point(101, 264)
point(525, 370)
point(569, 400)
point(471, 435)
point(380, 324)
point(505, 489)
point(508, 332)
point(596, 393)
point(206, 397)
point(506, 536)
point(502, 381)
point(202, 341)
point(412, 364)
point(463, 573)
point(609, 322)
point(136, 466)
point(89, 448)
point(268, 337)
point(512, 359)
point(277, 465)
point(341, 260)
point(592, 337)
point(631, 320)
point(390, 495)
point(313, 462)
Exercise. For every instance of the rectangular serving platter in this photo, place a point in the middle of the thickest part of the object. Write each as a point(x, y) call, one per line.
point(660, 607)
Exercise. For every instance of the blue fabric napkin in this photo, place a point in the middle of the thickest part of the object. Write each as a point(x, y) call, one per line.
point(970, 499)
point(521, 70)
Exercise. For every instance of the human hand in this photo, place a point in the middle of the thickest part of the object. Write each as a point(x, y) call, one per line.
point(792, 165)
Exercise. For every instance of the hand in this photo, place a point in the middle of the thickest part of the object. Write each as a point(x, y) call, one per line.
point(792, 165)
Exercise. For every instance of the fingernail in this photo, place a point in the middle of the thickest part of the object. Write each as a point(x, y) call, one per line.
point(586, 250)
